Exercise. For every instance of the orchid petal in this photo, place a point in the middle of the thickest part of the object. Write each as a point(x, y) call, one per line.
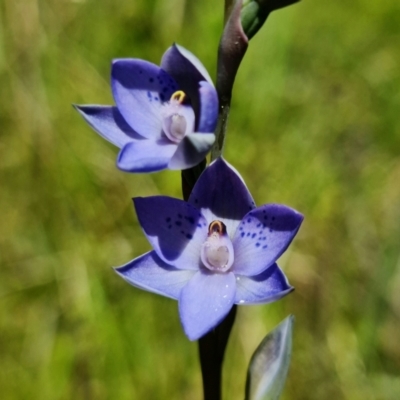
point(262, 236)
point(269, 286)
point(146, 155)
point(150, 273)
point(188, 71)
point(220, 193)
point(108, 122)
point(139, 89)
point(175, 229)
point(191, 150)
point(205, 301)
point(184, 66)
point(208, 113)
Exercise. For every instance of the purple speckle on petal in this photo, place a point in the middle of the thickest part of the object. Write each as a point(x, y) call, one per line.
point(190, 219)
point(258, 245)
point(178, 223)
point(151, 80)
point(149, 95)
point(168, 219)
point(180, 216)
point(199, 225)
point(253, 235)
point(242, 234)
point(265, 246)
point(248, 234)
point(249, 220)
point(189, 236)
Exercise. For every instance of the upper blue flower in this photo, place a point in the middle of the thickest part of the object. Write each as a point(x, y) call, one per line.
point(164, 116)
point(213, 251)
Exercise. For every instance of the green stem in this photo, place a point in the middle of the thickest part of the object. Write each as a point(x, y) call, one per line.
point(228, 9)
point(220, 132)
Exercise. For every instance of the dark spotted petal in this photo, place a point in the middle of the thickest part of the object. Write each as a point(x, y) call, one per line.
point(175, 229)
point(262, 236)
point(269, 286)
point(139, 88)
point(149, 272)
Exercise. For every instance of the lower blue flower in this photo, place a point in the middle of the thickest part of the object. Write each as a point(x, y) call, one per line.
point(213, 251)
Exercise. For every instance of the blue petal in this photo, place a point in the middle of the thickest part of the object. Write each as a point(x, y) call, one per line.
point(175, 229)
point(262, 236)
point(184, 67)
point(269, 286)
point(220, 193)
point(191, 150)
point(208, 113)
point(187, 71)
point(205, 301)
point(108, 122)
point(146, 155)
point(139, 89)
point(149, 272)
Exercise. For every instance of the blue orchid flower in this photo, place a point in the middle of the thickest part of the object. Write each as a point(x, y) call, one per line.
point(164, 116)
point(213, 251)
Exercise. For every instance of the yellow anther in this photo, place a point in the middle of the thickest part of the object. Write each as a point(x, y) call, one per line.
point(178, 96)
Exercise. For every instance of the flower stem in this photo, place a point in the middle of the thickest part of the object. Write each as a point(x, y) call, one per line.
point(224, 103)
point(211, 350)
point(212, 345)
point(224, 108)
point(228, 9)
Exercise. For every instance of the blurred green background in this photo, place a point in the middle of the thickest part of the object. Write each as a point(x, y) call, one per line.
point(314, 124)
